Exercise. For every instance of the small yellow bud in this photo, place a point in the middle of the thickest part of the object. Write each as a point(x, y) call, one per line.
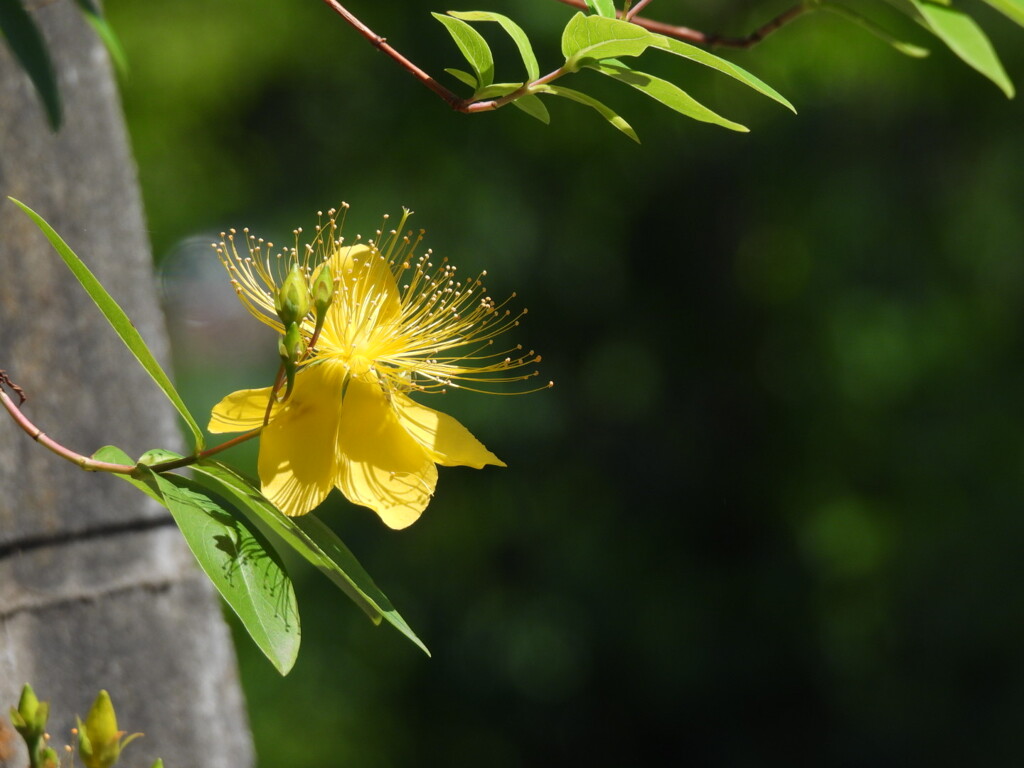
point(293, 299)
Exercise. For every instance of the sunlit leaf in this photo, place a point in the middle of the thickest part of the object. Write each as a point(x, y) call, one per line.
point(964, 38)
point(595, 37)
point(533, 106)
point(342, 569)
point(514, 31)
point(494, 90)
point(667, 93)
point(462, 76)
point(862, 21)
point(95, 17)
point(606, 112)
point(473, 47)
point(236, 558)
point(604, 8)
point(1012, 8)
point(29, 49)
point(700, 56)
point(117, 318)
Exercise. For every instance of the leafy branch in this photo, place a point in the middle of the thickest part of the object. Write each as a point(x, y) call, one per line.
point(598, 42)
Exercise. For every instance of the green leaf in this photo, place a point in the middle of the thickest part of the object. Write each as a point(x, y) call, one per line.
point(966, 39)
point(668, 94)
point(907, 49)
point(473, 47)
point(117, 318)
point(700, 56)
point(337, 563)
point(496, 90)
point(582, 98)
point(237, 558)
point(462, 76)
point(106, 34)
point(533, 106)
point(595, 37)
point(604, 8)
point(29, 49)
point(514, 31)
point(1012, 8)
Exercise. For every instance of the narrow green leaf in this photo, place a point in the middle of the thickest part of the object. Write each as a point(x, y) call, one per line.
point(534, 107)
point(29, 49)
point(700, 56)
point(668, 94)
point(595, 37)
point(604, 8)
point(1011, 8)
point(341, 556)
point(966, 39)
point(907, 49)
point(514, 31)
point(582, 98)
point(473, 47)
point(237, 558)
point(462, 76)
point(345, 572)
point(117, 318)
point(529, 103)
point(496, 90)
point(105, 33)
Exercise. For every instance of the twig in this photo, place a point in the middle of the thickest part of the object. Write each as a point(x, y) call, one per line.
point(90, 465)
point(468, 106)
point(634, 10)
point(710, 39)
point(381, 44)
point(87, 463)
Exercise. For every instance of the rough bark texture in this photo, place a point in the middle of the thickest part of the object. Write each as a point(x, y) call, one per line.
point(97, 588)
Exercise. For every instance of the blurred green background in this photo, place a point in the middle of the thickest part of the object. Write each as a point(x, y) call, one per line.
point(771, 513)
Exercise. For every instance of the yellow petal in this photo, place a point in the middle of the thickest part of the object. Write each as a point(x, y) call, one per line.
point(368, 299)
point(444, 438)
point(298, 459)
point(380, 466)
point(240, 411)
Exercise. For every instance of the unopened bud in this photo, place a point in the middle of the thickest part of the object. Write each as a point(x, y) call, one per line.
point(99, 741)
point(323, 289)
point(293, 299)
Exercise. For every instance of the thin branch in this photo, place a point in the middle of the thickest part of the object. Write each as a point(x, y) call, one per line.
point(89, 464)
point(703, 38)
point(381, 44)
point(634, 10)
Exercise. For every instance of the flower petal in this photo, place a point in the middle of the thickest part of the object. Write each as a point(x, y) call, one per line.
point(380, 465)
point(444, 438)
point(240, 411)
point(369, 298)
point(298, 459)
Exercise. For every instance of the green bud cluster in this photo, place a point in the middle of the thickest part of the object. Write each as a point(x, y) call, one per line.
point(29, 720)
point(293, 300)
point(99, 741)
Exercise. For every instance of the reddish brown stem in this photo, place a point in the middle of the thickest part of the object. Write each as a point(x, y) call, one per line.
point(92, 465)
point(704, 38)
point(381, 44)
point(30, 429)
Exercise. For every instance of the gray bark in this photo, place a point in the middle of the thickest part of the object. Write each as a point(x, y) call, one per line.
point(97, 588)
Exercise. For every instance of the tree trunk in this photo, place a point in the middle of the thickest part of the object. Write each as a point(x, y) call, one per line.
point(97, 587)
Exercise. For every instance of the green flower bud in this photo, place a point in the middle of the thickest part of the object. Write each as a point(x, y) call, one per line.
point(323, 289)
point(99, 741)
point(293, 299)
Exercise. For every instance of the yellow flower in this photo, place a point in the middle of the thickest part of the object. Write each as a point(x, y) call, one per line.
point(398, 323)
